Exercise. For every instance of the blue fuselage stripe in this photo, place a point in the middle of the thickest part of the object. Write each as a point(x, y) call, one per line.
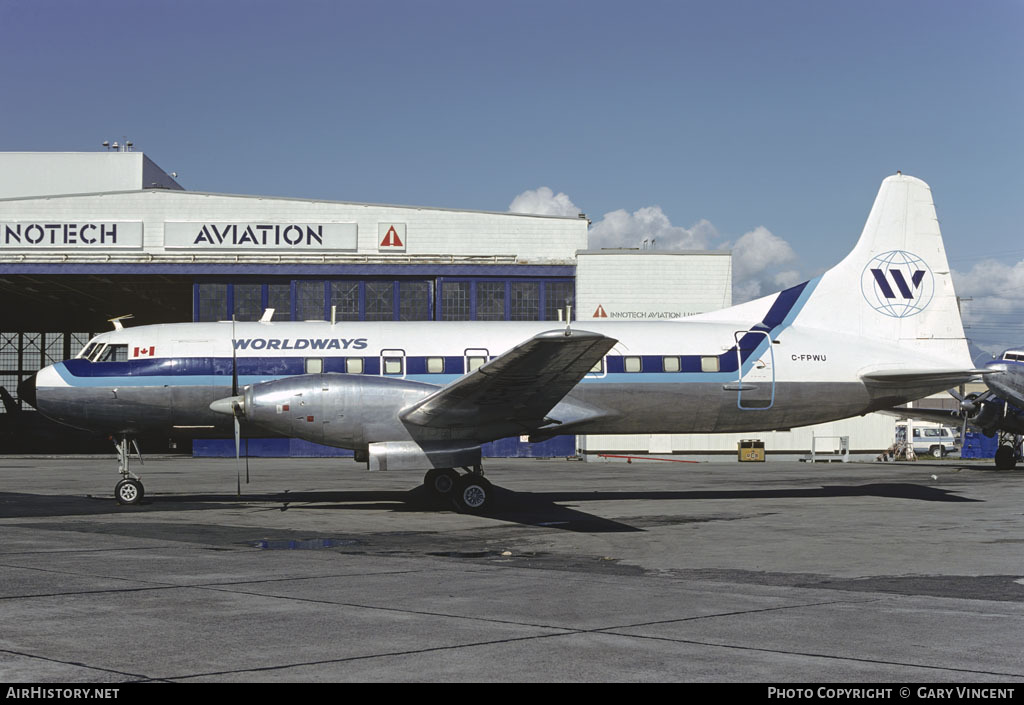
point(217, 371)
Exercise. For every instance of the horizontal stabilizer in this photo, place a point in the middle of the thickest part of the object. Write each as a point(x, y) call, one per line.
point(518, 388)
point(943, 416)
point(908, 378)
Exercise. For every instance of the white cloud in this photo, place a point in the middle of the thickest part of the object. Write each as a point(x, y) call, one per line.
point(992, 313)
point(758, 255)
point(543, 201)
point(622, 229)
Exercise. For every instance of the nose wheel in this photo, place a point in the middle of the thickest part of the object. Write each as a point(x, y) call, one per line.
point(129, 489)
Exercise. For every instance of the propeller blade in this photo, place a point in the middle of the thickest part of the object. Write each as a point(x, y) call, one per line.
point(238, 451)
point(234, 361)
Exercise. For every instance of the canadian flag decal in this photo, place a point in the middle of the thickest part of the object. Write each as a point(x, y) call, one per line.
point(144, 352)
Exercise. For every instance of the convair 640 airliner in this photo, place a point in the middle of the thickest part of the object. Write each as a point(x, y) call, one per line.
point(879, 329)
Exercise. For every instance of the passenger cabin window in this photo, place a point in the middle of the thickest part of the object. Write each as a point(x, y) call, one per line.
point(709, 363)
point(631, 363)
point(354, 365)
point(598, 368)
point(392, 365)
point(114, 353)
point(314, 365)
point(671, 363)
point(435, 365)
point(474, 361)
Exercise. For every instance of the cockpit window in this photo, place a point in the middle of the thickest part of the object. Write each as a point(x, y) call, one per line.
point(113, 353)
point(88, 350)
point(1013, 356)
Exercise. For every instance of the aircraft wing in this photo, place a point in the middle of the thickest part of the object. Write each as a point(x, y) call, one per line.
point(518, 388)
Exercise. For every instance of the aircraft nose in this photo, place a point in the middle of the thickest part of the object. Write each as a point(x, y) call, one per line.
point(27, 389)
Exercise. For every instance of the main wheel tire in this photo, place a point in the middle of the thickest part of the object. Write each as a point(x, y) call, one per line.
point(440, 482)
point(473, 494)
point(1005, 459)
point(129, 492)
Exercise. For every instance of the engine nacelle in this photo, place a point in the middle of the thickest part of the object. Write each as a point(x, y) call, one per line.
point(345, 411)
point(410, 455)
point(991, 417)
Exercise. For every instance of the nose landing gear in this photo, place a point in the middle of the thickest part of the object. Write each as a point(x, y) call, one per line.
point(129, 489)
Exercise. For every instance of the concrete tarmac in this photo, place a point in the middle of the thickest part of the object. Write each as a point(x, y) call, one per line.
point(777, 572)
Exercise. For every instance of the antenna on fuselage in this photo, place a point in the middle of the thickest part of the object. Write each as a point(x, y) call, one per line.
point(117, 321)
point(568, 319)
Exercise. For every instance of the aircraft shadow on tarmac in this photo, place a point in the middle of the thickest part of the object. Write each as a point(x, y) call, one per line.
point(547, 509)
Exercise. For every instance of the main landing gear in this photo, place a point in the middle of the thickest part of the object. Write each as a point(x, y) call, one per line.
point(470, 493)
point(129, 489)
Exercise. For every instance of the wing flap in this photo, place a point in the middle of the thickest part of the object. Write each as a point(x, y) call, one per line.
point(519, 387)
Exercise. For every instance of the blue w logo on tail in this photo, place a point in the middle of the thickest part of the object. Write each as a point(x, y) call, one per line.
point(897, 284)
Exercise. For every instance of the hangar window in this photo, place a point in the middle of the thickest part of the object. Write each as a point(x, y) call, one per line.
point(309, 300)
point(557, 296)
point(345, 299)
point(524, 301)
point(314, 365)
point(670, 363)
point(380, 301)
point(248, 301)
point(455, 301)
point(631, 363)
point(435, 365)
point(279, 298)
point(490, 301)
point(213, 302)
point(354, 365)
point(709, 363)
point(414, 301)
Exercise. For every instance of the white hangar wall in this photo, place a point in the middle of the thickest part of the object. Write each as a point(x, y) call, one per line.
point(867, 436)
point(653, 285)
point(27, 174)
point(162, 224)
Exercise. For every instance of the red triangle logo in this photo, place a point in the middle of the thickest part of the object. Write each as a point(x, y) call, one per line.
point(391, 239)
point(599, 313)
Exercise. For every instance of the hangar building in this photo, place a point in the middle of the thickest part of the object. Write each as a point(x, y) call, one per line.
point(87, 237)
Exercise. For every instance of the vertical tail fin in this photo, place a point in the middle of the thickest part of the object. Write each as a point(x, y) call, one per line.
point(896, 283)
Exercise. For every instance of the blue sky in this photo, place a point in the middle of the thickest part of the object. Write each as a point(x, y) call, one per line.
point(702, 122)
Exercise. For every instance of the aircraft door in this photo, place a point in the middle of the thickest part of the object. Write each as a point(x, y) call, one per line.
point(756, 370)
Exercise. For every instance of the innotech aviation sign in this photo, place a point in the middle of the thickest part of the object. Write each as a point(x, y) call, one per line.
point(63, 235)
point(260, 236)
